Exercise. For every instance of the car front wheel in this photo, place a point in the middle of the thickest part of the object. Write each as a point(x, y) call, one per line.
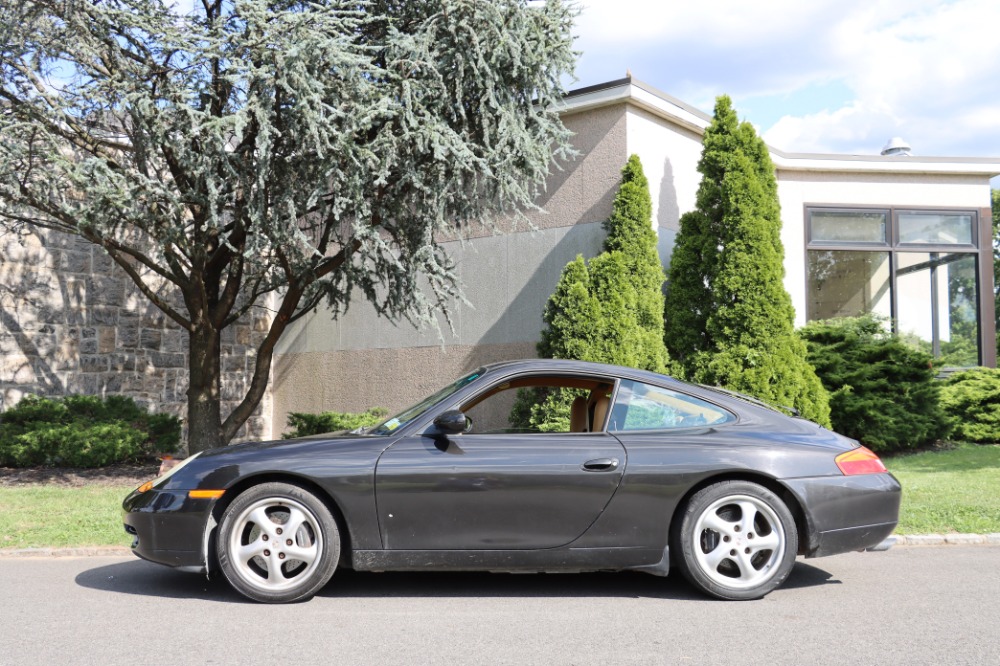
point(278, 543)
point(737, 540)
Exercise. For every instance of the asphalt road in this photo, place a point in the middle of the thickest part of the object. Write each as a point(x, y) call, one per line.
point(911, 605)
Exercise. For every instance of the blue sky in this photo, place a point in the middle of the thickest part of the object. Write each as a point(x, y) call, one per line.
point(840, 76)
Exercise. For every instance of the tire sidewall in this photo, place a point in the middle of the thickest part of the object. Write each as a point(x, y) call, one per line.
point(686, 541)
point(325, 524)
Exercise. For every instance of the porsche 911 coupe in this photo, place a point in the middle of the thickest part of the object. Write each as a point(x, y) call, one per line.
point(527, 466)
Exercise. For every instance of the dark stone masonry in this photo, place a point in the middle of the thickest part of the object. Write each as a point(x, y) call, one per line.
point(71, 321)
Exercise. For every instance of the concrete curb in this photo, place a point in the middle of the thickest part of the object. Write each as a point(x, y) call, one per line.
point(890, 542)
point(948, 539)
point(93, 551)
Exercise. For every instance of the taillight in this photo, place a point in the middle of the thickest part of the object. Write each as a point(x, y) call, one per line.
point(860, 461)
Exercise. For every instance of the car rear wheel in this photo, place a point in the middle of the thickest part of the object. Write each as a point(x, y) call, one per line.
point(737, 540)
point(278, 543)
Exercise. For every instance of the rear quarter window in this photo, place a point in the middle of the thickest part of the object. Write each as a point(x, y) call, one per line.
point(640, 406)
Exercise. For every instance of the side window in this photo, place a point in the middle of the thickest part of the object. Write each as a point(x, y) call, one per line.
point(644, 407)
point(541, 404)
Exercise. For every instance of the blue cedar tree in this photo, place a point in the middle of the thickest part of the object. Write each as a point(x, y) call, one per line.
point(313, 151)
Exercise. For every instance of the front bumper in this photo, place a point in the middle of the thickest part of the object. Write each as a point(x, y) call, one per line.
point(847, 513)
point(169, 527)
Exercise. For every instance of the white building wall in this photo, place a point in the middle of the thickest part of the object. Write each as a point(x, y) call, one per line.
point(669, 155)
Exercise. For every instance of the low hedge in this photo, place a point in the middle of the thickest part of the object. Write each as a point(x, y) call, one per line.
point(304, 424)
point(84, 431)
point(971, 398)
point(883, 392)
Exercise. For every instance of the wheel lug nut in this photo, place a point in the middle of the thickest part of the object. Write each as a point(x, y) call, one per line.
point(749, 535)
point(288, 542)
point(265, 537)
point(726, 538)
point(278, 530)
point(737, 528)
point(281, 556)
point(747, 551)
point(267, 553)
point(732, 552)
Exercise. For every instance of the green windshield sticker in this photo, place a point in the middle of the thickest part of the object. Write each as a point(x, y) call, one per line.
point(391, 424)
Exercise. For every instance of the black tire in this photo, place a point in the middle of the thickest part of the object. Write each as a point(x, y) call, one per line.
point(257, 548)
point(737, 540)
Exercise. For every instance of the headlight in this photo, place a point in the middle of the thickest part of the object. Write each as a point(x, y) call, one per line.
point(166, 475)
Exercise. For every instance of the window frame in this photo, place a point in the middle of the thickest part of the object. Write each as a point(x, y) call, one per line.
point(986, 326)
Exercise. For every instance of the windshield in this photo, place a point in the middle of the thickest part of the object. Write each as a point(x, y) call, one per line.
point(414, 412)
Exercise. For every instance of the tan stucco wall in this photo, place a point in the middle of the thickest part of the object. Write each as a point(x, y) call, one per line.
point(356, 380)
point(361, 360)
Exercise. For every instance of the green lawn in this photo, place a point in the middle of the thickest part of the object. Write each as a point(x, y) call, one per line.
point(957, 490)
point(59, 516)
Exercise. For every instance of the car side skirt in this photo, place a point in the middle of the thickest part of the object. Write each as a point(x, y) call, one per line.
point(562, 560)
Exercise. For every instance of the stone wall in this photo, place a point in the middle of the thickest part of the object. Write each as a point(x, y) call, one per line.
point(71, 321)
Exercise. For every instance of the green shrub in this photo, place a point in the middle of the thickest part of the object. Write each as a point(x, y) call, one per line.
point(304, 424)
point(883, 392)
point(84, 431)
point(972, 400)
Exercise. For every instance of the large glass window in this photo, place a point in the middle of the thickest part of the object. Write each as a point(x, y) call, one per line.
point(937, 304)
point(923, 279)
point(848, 283)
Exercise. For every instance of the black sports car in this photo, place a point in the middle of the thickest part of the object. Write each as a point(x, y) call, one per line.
point(531, 465)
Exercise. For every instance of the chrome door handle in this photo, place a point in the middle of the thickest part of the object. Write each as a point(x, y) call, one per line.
point(601, 465)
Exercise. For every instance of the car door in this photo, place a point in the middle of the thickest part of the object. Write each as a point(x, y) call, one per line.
point(495, 490)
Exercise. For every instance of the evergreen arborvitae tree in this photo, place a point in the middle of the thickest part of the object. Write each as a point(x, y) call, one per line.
point(609, 311)
point(729, 320)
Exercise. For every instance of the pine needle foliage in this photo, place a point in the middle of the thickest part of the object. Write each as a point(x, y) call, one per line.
point(729, 320)
point(313, 151)
point(971, 399)
point(883, 392)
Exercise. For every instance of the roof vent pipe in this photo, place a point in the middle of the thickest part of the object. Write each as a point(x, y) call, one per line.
point(896, 146)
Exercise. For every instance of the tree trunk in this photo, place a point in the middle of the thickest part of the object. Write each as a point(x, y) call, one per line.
point(204, 400)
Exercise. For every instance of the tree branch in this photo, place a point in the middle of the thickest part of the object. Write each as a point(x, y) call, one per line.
point(265, 352)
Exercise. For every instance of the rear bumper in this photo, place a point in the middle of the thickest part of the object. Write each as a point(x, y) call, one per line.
point(846, 513)
point(168, 527)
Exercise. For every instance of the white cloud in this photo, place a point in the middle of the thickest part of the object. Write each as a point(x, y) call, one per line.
point(922, 69)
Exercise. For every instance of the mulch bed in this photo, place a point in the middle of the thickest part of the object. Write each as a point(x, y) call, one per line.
point(112, 475)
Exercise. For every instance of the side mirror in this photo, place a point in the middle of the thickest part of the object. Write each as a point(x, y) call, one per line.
point(452, 422)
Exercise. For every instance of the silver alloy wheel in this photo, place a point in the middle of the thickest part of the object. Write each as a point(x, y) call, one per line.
point(738, 541)
point(276, 544)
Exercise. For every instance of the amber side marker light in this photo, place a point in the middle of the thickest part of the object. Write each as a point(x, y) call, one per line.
point(205, 494)
point(860, 461)
point(144, 487)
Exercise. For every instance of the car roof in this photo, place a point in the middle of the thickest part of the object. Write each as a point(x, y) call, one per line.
point(563, 365)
